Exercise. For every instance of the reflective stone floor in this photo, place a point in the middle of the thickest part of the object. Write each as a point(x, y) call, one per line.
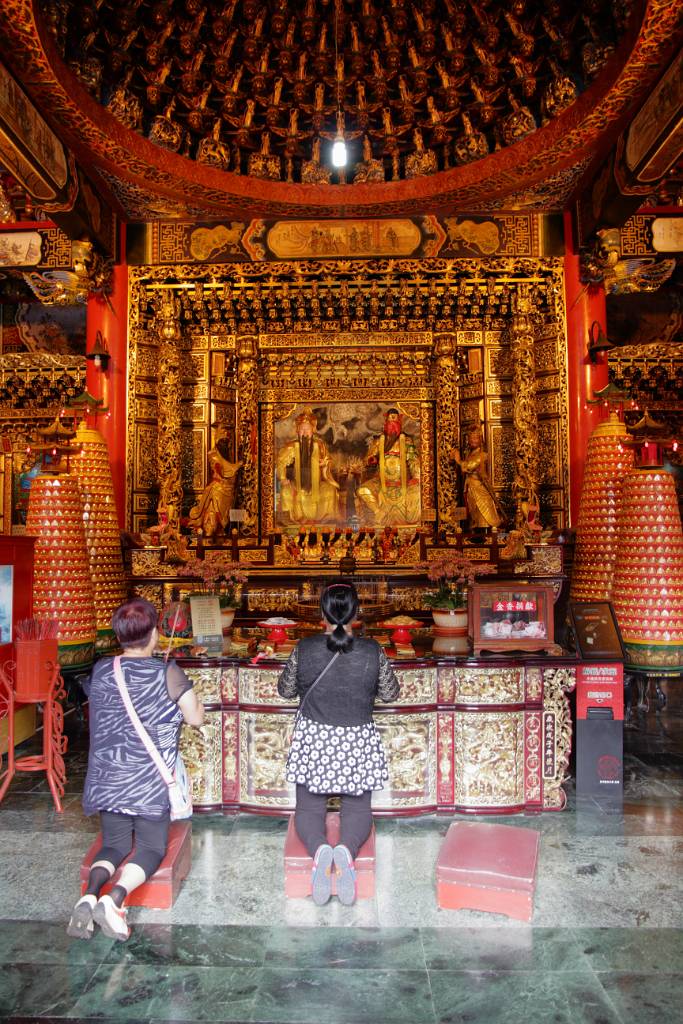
point(605, 945)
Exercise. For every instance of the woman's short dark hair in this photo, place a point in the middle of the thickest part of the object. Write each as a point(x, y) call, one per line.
point(134, 621)
point(339, 605)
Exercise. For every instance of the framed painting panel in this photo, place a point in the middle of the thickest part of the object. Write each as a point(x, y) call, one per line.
point(342, 463)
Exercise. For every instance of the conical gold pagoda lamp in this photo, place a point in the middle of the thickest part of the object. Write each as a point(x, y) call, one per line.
point(648, 579)
point(607, 462)
point(62, 587)
point(90, 464)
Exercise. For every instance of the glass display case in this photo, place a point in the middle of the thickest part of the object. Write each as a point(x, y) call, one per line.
point(511, 617)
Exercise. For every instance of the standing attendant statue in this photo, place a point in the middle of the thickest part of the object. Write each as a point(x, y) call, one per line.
point(479, 497)
point(212, 512)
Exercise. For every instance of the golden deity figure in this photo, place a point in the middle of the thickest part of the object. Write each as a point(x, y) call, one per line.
point(392, 496)
point(212, 512)
point(308, 491)
point(479, 497)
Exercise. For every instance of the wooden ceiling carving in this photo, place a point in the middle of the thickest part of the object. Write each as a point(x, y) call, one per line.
point(229, 107)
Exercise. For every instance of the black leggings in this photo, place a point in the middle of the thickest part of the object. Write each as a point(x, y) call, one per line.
point(309, 819)
point(151, 839)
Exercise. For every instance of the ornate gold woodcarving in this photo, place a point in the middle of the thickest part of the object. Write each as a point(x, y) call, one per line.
point(151, 592)
point(525, 418)
point(264, 745)
point(149, 563)
point(203, 757)
point(230, 756)
point(418, 686)
point(229, 684)
point(264, 599)
point(547, 448)
point(545, 356)
point(146, 409)
point(489, 758)
point(146, 460)
point(446, 418)
point(308, 363)
point(446, 683)
point(207, 683)
point(534, 684)
point(410, 745)
point(489, 685)
point(168, 396)
point(259, 686)
point(557, 727)
point(445, 757)
point(247, 412)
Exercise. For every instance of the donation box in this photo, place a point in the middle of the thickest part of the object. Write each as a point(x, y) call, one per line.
point(600, 732)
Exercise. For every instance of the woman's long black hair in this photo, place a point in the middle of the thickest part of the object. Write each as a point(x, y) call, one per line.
point(339, 605)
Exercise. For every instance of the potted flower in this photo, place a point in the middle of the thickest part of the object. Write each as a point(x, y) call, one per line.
point(453, 572)
point(224, 579)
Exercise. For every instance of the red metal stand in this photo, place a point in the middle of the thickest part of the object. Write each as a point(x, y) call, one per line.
point(51, 761)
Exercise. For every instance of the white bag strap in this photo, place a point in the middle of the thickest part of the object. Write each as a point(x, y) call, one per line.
point(161, 767)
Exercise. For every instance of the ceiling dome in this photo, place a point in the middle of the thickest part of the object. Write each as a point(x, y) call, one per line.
point(262, 87)
point(197, 108)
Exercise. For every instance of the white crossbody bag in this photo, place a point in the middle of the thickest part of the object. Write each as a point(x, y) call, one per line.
point(178, 782)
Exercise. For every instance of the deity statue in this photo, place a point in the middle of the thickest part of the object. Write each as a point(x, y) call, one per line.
point(479, 497)
point(392, 497)
point(212, 512)
point(308, 491)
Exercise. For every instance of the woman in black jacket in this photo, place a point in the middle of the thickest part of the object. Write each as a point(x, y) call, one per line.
point(336, 747)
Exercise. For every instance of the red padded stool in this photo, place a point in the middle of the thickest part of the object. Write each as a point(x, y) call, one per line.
point(161, 890)
point(298, 864)
point(488, 867)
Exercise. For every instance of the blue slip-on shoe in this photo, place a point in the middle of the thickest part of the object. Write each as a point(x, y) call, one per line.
point(346, 875)
point(321, 881)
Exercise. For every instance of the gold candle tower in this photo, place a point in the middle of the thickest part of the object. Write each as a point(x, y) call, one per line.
point(607, 462)
point(90, 464)
point(648, 578)
point(63, 588)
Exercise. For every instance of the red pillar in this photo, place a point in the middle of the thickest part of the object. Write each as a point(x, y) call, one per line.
point(583, 306)
point(111, 318)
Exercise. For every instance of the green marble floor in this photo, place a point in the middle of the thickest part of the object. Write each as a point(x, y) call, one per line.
point(605, 945)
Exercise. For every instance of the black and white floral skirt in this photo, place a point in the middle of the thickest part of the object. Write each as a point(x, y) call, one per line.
point(336, 758)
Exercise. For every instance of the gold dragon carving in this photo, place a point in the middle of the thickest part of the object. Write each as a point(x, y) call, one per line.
point(446, 398)
point(247, 377)
point(169, 397)
point(203, 757)
point(489, 758)
point(525, 419)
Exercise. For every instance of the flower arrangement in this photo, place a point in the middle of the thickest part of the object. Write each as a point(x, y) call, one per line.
point(220, 578)
point(453, 572)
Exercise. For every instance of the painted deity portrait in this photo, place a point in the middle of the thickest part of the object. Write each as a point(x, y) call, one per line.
point(341, 462)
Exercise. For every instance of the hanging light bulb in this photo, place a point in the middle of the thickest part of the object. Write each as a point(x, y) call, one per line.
point(339, 154)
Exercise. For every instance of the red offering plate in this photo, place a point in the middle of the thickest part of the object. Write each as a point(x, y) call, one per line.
point(277, 631)
point(401, 631)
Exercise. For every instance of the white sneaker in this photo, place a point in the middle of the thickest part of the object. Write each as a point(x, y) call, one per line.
point(111, 919)
point(80, 924)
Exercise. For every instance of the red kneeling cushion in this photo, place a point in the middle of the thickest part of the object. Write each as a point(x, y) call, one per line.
point(488, 867)
point(161, 890)
point(298, 864)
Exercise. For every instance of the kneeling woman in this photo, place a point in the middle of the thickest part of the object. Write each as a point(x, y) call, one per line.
point(122, 783)
point(335, 746)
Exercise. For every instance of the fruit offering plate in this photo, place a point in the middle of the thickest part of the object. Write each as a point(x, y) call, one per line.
point(401, 626)
point(277, 627)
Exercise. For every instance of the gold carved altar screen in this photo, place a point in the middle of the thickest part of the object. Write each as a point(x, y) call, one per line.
point(343, 387)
